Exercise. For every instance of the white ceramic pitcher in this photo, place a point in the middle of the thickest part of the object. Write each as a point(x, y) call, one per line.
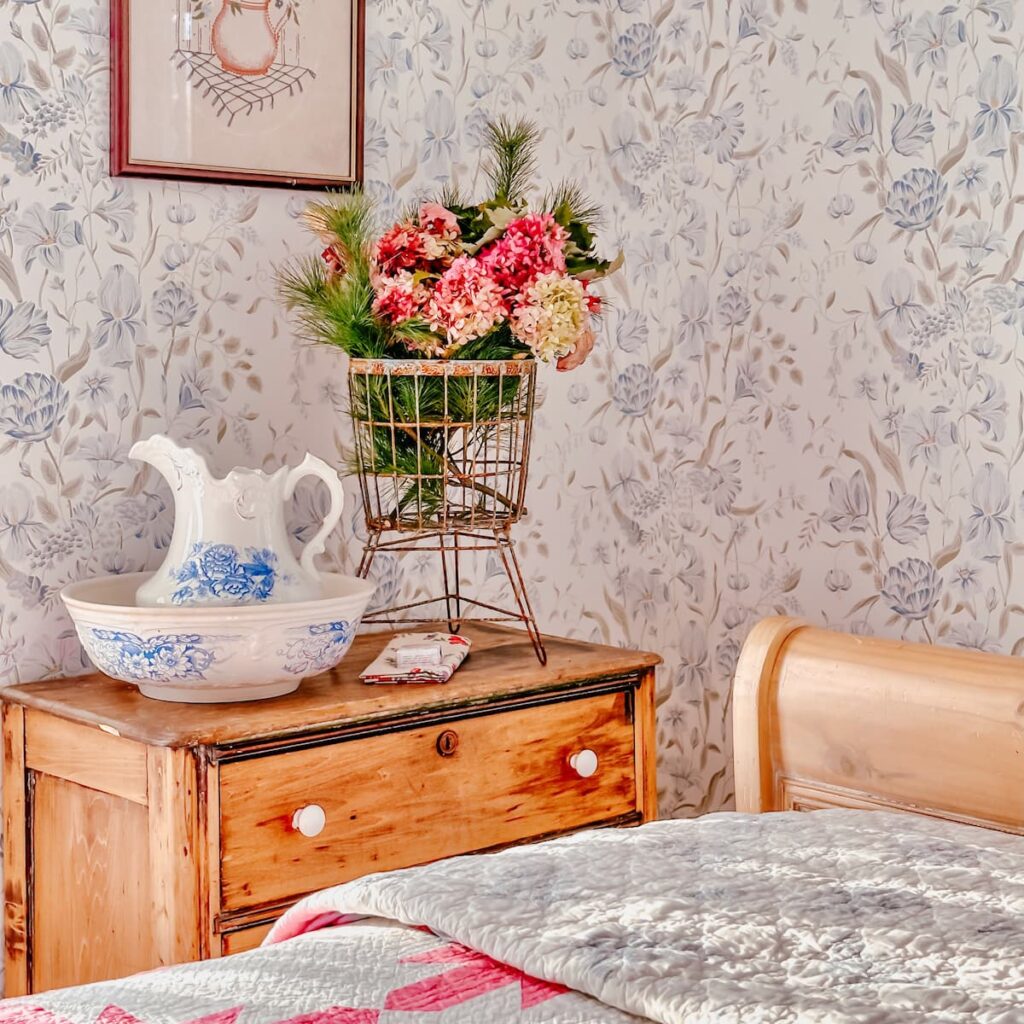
point(230, 543)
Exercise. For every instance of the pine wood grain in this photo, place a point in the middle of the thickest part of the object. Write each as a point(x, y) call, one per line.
point(244, 939)
point(499, 666)
point(175, 846)
point(646, 753)
point(91, 895)
point(824, 719)
point(393, 800)
point(85, 754)
point(752, 715)
point(15, 859)
point(209, 858)
point(136, 836)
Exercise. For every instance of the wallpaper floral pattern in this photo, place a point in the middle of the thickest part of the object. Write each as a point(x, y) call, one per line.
point(809, 397)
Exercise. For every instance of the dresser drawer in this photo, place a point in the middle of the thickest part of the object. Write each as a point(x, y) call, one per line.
point(416, 795)
point(241, 940)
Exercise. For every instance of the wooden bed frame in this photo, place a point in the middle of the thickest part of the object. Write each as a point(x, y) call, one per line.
point(824, 719)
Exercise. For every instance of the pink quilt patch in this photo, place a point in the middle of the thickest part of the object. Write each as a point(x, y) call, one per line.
point(474, 975)
point(30, 1015)
point(292, 925)
point(108, 1015)
point(336, 1015)
point(115, 1015)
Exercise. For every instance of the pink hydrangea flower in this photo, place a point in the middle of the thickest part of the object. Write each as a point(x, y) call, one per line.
point(530, 247)
point(466, 304)
point(594, 302)
point(408, 247)
point(398, 297)
point(334, 261)
point(439, 221)
point(399, 248)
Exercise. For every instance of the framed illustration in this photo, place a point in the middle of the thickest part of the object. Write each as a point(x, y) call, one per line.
point(267, 92)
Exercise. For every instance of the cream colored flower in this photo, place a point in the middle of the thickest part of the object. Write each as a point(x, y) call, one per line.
point(553, 317)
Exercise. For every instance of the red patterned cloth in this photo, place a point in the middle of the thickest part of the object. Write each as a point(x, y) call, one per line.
point(389, 668)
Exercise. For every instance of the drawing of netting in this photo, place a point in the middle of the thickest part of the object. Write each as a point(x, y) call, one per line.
point(233, 94)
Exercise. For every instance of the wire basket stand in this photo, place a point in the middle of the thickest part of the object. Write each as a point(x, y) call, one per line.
point(442, 449)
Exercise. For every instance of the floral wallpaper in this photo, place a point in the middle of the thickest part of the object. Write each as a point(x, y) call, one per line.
point(808, 397)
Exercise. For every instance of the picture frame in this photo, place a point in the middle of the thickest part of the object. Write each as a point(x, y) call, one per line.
point(238, 91)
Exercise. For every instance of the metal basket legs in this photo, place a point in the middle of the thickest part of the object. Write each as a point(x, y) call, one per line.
point(451, 545)
point(442, 448)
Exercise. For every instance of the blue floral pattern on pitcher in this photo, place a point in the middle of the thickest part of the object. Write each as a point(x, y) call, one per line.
point(323, 646)
point(168, 656)
point(220, 571)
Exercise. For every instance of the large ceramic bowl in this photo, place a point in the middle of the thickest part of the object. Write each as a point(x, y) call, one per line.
point(209, 654)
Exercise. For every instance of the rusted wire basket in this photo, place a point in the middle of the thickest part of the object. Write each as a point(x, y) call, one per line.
point(442, 444)
point(441, 451)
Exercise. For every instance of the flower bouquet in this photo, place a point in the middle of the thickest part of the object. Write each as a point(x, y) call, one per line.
point(446, 315)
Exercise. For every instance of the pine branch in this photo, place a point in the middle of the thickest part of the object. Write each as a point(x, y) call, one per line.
point(414, 334)
point(333, 310)
point(301, 283)
point(568, 203)
point(513, 158)
point(451, 196)
point(344, 221)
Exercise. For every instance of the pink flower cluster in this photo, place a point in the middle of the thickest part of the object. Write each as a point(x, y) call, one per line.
point(466, 304)
point(530, 247)
point(423, 270)
point(429, 245)
point(399, 296)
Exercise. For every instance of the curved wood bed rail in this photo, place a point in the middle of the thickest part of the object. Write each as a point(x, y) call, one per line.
point(825, 719)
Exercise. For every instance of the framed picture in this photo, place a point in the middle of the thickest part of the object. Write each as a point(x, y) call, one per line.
point(267, 92)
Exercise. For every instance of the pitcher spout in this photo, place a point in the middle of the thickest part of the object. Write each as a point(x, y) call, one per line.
point(174, 463)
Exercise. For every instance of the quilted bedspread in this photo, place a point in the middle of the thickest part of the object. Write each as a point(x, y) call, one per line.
point(832, 917)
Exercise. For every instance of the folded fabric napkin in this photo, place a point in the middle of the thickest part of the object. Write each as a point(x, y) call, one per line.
point(418, 658)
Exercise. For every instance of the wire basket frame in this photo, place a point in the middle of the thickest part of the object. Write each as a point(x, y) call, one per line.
point(442, 444)
point(442, 450)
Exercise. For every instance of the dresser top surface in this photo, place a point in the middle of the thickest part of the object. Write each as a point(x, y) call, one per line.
point(502, 665)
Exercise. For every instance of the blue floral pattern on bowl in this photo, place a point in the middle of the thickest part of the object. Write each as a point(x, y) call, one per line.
point(221, 572)
point(321, 647)
point(168, 656)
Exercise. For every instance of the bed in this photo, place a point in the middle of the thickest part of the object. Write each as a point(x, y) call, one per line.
point(888, 888)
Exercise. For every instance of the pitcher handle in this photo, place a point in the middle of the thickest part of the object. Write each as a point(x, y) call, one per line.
point(312, 466)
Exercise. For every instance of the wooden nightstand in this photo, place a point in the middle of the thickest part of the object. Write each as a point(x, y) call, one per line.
point(140, 833)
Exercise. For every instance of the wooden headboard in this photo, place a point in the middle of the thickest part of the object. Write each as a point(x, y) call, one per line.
point(824, 719)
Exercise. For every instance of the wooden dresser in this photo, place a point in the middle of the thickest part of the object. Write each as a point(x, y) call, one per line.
point(139, 833)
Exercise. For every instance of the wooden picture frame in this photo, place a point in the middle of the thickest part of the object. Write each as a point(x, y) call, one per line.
point(248, 111)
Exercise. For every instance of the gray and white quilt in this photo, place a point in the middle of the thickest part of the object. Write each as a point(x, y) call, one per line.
point(830, 917)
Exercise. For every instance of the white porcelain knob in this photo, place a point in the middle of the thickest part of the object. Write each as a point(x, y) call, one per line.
point(584, 763)
point(309, 820)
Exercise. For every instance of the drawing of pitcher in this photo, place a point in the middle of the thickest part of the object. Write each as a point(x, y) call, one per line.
point(244, 39)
